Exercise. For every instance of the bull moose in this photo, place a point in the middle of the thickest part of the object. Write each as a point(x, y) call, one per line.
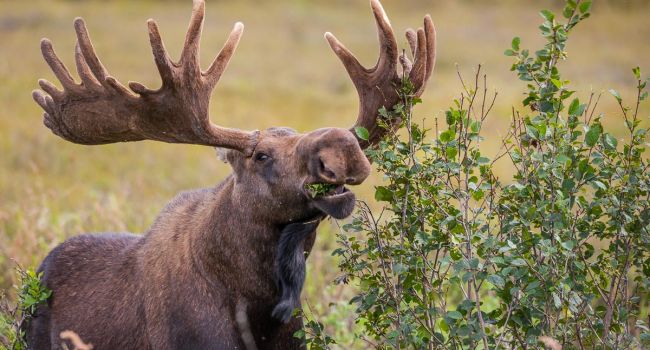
point(223, 267)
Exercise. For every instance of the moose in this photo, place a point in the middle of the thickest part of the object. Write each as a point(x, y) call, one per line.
point(223, 267)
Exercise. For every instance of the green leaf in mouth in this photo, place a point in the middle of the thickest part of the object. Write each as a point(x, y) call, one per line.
point(319, 189)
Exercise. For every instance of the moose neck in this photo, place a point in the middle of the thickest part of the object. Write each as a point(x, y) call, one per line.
point(233, 240)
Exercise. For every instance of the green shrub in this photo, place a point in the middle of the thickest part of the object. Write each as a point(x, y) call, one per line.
point(31, 293)
point(458, 259)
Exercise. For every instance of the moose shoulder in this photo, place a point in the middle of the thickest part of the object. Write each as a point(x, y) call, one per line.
point(220, 268)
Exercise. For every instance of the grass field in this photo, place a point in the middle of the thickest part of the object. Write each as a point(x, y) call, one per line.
point(282, 74)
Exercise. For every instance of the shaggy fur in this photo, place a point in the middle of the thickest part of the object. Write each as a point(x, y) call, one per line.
point(290, 266)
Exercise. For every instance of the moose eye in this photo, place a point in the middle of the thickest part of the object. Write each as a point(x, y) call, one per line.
point(260, 157)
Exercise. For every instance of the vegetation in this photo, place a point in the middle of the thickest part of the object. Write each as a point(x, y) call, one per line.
point(31, 293)
point(319, 189)
point(51, 189)
point(457, 259)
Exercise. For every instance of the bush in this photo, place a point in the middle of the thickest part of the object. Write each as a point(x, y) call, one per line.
point(460, 259)
point(31, 293)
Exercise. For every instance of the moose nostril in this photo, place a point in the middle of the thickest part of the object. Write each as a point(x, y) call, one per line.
point(350, 180)
point(326, 171)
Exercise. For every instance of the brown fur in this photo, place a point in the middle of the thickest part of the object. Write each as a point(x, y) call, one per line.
point(209, 252)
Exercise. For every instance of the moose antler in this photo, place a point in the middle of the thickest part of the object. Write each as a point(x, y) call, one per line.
point(100, 110)
point(377, 86)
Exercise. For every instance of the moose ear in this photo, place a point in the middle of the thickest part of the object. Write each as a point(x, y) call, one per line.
point(229, 156)
point(222, 154)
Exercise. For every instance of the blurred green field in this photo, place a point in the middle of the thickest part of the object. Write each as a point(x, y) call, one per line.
point(282, 74)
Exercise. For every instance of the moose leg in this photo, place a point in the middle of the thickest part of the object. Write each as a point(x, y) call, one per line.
point(290, 266)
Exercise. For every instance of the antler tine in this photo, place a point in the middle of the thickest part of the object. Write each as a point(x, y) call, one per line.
point(190, 54)
point(418, 73)
point(430, 32)
point(85, 74)
point(50, 89)
point(88, 51)
point(388, 52)
point(355, 70)
point(161, 58)
point(39, 97)
point(213, 74)
point(412, 39)
point(424, 54)
point(58, 68)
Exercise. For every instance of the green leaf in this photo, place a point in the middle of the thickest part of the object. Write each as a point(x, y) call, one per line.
point(451, 116)
point(383, 194)
point(454, 315)
point(568, 245)
point(585, 7)
point(556, 301)
point(447, 136)
point(399, 268)
point(557, 83)
point(616, 95)
point(443, 325)
point(541, 130)
point(573, 108)
point(532, 131)
point(593, 134)
point(362, 133)
point(518, 262)
point(475, 126)
point(451, 153)
point(610, 141)
point(599, 185)
point(383, 112)
point(546, 107)
point(637, 72)
point(515, 43)
point(576, 109)
point(548, 15)
point(319, 189)
point(509, 52)
point(568, 11)
point(496, 280)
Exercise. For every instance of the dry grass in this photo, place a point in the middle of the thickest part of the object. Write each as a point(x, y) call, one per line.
point(282, 74)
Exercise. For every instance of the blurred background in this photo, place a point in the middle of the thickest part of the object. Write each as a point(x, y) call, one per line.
point(283, 74)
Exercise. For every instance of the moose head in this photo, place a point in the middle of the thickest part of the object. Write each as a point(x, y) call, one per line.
point(210, 251)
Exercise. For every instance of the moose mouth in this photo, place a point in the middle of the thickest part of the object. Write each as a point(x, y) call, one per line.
point(334, 200)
